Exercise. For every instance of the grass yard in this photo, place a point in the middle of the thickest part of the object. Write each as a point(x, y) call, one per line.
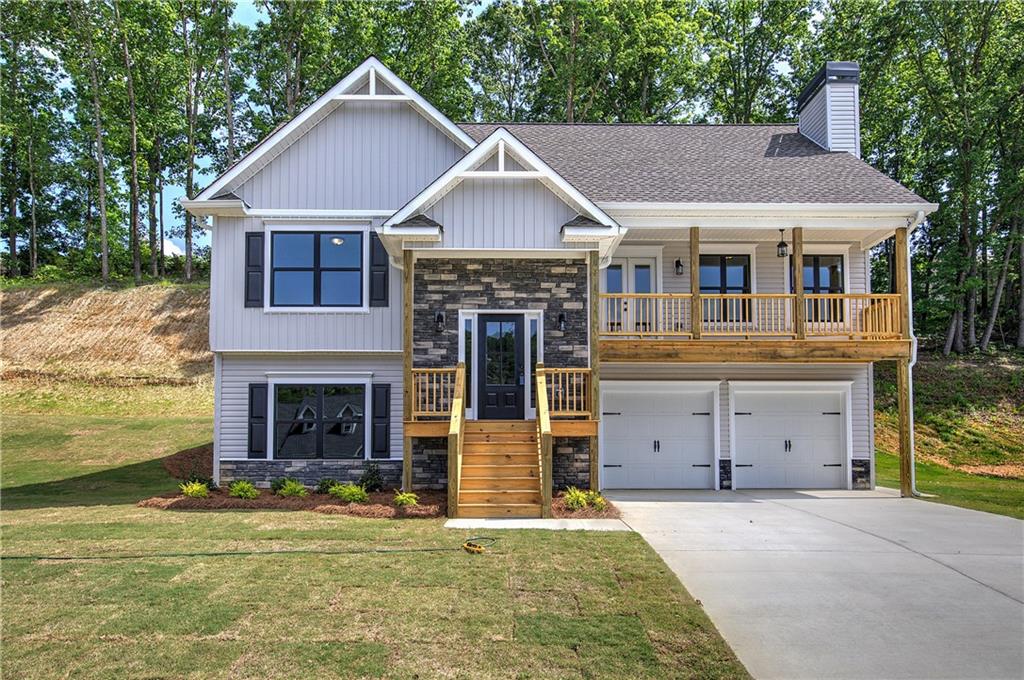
point(314, 597)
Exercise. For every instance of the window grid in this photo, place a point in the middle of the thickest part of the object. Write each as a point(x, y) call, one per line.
point(317, 270)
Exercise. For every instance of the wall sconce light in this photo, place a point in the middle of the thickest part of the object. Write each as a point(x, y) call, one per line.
point(439, 320)
point(679, 267)
point(781, 249)
point(561, 321)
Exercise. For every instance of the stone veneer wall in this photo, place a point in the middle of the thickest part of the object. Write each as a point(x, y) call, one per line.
point(545, 284)
point(861, 471)
point(429, 465)
point(570, 463)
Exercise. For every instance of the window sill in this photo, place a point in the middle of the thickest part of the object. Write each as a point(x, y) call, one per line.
point(316, 310)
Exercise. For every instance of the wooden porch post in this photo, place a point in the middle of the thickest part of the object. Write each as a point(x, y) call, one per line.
point(695, 306)
point(593, 263)
point(407, 265)
point(903, 365)
point(800, 307)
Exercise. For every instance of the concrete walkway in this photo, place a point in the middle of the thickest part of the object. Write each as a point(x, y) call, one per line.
point(551, 524)
point(846, 584)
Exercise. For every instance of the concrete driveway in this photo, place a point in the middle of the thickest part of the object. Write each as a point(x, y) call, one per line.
point(845, 584)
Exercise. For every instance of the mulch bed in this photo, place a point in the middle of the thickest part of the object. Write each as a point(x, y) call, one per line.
point(559, 510)
point(197, 460)
point(381, 506)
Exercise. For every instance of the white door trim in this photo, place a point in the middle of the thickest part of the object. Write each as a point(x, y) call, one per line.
point(842, 387)
point(669, 387)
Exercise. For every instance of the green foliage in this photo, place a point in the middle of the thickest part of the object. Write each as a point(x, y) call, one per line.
point(404, 499)
point(350, 493)
point(371, 479)
point(277, 484)
point(596, 501)
point(325, 484)
point(194, 489)
point(575, 499)
point(292, 488)
point(243, 489)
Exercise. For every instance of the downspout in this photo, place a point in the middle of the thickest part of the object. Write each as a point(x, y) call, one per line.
point(913, 356)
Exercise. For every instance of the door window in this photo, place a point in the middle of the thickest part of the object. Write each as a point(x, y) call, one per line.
point(501, 353)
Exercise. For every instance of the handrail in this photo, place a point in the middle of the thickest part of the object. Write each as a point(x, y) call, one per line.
point(544, 441)
point(569, 392)
point(456, 437)
point(432, 392)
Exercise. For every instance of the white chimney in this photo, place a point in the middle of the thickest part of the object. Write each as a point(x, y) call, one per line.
point(828, 110)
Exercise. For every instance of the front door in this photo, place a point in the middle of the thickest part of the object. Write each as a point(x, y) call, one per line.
point(500, 364)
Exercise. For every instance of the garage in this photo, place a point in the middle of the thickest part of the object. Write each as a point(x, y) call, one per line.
point(790, 435)
point(659, 434)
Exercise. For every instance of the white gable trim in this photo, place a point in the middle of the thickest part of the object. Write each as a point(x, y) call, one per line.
point(504, 141)
point(286, 135)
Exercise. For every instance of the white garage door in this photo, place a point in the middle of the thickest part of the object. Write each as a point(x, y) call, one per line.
point(787, 440)
point(658, 439)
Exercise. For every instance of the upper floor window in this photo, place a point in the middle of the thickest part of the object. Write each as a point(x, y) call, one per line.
point(316, 269)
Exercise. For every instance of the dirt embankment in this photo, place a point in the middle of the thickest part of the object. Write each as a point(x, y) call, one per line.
point(155, 333)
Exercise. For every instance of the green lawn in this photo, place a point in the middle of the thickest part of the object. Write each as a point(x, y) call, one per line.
point(977, 492)
point(538, 604)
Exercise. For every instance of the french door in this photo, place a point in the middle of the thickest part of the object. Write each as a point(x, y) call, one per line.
point(631, 275)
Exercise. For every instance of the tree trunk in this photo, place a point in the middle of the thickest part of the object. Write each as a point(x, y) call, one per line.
point(12, 170)
point(191, 95)
point(133, 152)
point(163, 268)
point(1020, 291)
point(33, 227)
point(101, 181)
point(998, 294)
point(153, 256)
point(229, 119)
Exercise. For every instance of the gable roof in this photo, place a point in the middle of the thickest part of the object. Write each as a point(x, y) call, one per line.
point(502, 141)
point(350, 88)
point(620, 163)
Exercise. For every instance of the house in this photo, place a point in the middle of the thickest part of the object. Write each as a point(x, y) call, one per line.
point(506, 309)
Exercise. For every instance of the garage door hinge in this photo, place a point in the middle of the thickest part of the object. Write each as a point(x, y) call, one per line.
point(616, 466)
point(744, 465)
point(611, 413)
point(832, 465)
point(702, 465)
point(743, 413)
point(701, 413)
point(831, 413)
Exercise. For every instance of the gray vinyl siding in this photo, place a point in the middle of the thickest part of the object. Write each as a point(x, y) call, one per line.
point(843, 117)
point(362, 156)
point(505, 213)
point(860, 374)
point(814, 119)
point(234, 327)
point(238, 370)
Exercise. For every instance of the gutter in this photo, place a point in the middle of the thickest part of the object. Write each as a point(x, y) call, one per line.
point(911, 225)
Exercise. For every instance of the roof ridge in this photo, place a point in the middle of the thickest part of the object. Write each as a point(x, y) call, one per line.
point(553, 124)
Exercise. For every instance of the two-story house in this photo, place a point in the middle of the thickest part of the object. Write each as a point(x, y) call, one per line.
point(504, 309)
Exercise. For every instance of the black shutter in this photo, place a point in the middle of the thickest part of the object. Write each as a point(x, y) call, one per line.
point(381, 435)
point(254, 269)
point(257, 420)
point(378, 272)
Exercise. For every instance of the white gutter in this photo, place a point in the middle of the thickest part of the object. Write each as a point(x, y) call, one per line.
point(918, 219)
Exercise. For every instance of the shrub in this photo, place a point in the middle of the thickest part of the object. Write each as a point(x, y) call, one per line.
point(596, 501)
point(406, 499)
point(350, 493)
point(371, 479)
point(293, 487)
point(243, 489)
point(325, 484)
point(276, 484)
point(575, 499)
point(194, 489)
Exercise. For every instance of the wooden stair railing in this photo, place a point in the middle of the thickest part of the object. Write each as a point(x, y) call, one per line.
point(544, 442)
point(433, 392)
point(456, 437)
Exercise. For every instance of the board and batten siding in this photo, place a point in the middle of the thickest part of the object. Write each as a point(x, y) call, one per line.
point(501, 214)
point(238, 370)
point(234, 327)
point(362, 156)
point(861, 397)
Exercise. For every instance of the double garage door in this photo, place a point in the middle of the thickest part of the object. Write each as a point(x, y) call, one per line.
point(664, 435)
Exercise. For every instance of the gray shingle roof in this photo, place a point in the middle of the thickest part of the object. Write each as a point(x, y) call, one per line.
point(701, 164)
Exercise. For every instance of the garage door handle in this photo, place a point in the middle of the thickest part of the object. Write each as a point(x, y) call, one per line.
point(832, 465)
point(702, 465)
point(608, 466)
point(611, 413)
point(747, 465)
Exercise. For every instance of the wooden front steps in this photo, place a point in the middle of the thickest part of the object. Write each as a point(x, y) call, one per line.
point(500, 472)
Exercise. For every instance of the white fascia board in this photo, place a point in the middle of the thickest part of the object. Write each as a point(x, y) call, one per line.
point(229, 207)
point(238, 208)
point(575, 234)
point(329, 98)
point(768, 209)
point(459, 170)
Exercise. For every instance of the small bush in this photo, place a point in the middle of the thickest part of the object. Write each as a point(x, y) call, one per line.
point(293, 488)
point(325, 484)
point(405, 499)
point(243, 489)
point(276, 484)
point(575, 499)
point(596, 501)
point(371, 479)
point(350, 493)
point(194, 489)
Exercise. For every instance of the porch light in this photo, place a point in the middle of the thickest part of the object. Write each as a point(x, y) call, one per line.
point(439, 320)
point(561, 321)
point(781, 249)
point(679, 267)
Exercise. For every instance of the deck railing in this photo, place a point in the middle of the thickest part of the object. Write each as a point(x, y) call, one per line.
point(567, 391)
point(456, 437)
point(757, 315)
point(432, 392)
point(544, 441)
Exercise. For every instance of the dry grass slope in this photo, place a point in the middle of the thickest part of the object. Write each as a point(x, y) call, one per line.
point(156, 332)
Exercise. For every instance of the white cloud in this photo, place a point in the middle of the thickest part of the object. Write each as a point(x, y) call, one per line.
point(171, 250)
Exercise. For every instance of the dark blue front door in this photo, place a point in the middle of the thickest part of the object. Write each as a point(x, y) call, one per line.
point(500, 359)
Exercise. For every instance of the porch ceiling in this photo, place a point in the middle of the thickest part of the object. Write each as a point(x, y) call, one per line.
point(865, 237)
